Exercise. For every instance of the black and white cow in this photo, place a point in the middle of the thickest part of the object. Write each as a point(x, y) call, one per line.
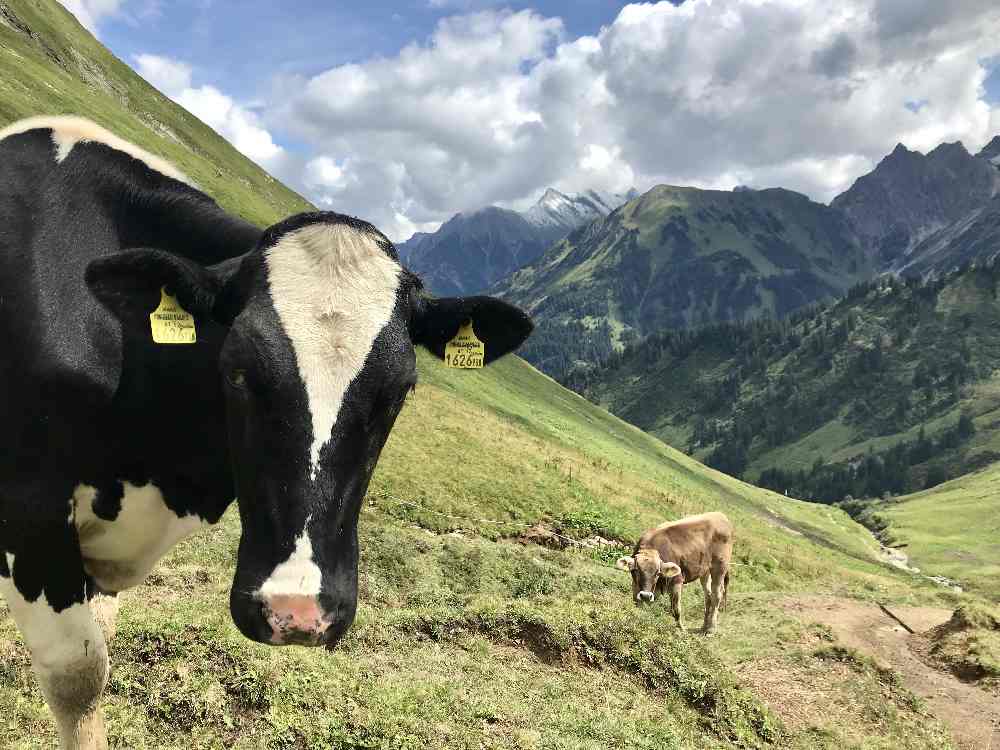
point(114, 447)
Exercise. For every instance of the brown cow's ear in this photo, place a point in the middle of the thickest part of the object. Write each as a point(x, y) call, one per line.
point(669, 569)
point(625, 562)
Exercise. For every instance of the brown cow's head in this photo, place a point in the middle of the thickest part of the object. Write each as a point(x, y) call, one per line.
point(647, 569)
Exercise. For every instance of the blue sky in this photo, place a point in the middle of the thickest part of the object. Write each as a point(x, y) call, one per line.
point(404, 113)
point(240, 44)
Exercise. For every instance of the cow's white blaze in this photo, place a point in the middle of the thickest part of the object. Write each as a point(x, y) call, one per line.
point(67, 131)
point(298, 575)
point(120, 554)
point(334, 290)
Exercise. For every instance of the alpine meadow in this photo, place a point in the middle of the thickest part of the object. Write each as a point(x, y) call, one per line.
point(824, 373)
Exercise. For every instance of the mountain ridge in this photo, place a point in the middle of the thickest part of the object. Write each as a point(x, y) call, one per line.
point(475, 249)
point(681, 257)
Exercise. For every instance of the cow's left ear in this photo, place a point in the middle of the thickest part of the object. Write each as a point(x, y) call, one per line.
point(500, 326)
point(128, 284)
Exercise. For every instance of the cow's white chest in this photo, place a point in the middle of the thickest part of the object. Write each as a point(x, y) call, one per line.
point(119, 554)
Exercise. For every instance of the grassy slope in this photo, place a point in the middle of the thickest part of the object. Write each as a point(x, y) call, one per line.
point(465, 636)
point(57, 67)
point(954, 529)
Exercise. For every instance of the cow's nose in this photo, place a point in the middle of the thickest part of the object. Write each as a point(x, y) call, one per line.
point(295, 619)
point(645, 596)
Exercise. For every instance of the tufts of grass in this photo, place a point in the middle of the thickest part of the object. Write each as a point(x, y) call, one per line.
point(969, 643)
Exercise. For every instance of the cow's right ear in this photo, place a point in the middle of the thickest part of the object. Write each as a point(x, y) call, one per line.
point(129, 283)
point(625, 562)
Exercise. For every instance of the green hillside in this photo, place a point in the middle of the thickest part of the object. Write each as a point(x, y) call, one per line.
point(953, 529)
point(890, 389)
point(465, 636)
point(679, 258)
point(51, 65)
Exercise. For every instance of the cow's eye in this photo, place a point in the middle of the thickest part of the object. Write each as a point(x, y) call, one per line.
point(237, 378)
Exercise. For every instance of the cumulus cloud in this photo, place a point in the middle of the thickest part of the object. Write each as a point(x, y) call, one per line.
point(497, 105)
point(169, 76)
point(90, 12)
point(235, 122)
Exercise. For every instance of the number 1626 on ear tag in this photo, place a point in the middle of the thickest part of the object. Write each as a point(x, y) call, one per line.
point(465, 351)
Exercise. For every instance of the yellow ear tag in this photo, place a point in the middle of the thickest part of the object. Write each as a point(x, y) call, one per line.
point(171, 323)
point(465, 351)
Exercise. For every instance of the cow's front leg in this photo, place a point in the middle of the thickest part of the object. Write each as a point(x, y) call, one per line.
point(676, 587)
point(104, 607)
point(68, 650)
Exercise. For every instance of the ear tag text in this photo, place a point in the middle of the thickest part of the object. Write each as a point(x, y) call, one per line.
point(465, 351)
point(171, 323)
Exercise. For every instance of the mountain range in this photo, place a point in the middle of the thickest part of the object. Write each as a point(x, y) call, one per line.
point(681, 257)
point(472, 251)
point(909, 197)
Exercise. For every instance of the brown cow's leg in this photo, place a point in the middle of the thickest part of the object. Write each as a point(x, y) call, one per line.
point(675, 602)
point(706, 586)
point(718, 581)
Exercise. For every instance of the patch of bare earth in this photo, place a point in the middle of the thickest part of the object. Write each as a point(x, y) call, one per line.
point(805, 697)
point(971, 713)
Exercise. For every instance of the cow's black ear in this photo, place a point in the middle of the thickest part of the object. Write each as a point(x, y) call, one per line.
point(129, 283)
point(500, 326)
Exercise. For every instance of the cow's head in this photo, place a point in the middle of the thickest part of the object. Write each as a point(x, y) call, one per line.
point(647, 569)
point(320, 323)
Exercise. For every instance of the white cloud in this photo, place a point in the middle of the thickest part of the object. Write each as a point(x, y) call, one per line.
point(236, 123)
point(90, 12)
point(169, 76)
point(497, 105)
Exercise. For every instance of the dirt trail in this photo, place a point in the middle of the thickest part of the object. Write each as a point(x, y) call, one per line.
point(972, 714)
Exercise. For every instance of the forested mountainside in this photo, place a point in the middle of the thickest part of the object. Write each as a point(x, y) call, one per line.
point(891, 389)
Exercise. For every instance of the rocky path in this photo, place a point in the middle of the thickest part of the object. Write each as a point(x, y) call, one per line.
point(972, 714)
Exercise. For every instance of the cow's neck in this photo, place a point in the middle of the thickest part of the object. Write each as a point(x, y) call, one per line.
point(208, 234)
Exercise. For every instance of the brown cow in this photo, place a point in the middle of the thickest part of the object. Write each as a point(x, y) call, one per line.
point(678, 552)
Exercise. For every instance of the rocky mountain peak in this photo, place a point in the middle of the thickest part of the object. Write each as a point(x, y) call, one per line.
point(991, 151)
point(910, 195)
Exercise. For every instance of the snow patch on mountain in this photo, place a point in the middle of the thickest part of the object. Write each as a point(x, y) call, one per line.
point(567, 212)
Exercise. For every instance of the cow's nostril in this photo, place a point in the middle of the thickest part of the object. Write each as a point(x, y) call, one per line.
point(646, 596)
point(295, 619)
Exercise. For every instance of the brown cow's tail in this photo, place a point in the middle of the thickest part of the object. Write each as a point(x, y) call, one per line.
point(725, 590)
